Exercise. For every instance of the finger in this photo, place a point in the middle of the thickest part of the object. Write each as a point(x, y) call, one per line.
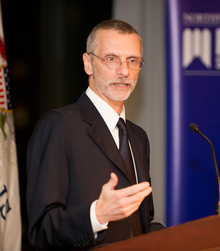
point(138, 197)
point(135, 198)
point(127, 209)
point(112, 183)
point(130, 209)
point(131, 190)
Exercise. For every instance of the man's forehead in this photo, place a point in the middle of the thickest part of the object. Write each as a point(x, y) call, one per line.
point(113, 39)
point(112, 32)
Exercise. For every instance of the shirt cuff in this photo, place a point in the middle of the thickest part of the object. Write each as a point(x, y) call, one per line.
point(96, 226)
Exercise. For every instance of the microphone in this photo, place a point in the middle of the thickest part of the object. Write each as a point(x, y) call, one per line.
point(194, 128)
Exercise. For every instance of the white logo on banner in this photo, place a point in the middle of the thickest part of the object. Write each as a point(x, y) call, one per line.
point(201, 42)
point(197, 44)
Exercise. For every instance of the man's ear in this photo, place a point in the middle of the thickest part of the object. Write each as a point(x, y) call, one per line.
point(87, 64)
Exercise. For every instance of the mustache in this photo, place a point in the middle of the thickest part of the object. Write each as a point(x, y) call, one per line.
point(121, 80)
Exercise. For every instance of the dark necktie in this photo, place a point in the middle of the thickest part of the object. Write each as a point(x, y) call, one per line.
point(136, 227)
point(125, 150)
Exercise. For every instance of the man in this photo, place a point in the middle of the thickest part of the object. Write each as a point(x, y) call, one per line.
point(80, 192)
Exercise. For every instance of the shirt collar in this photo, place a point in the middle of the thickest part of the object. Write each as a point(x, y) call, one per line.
point(109, 115)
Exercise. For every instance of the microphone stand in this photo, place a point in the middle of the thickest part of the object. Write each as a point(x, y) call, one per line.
point(193, 127)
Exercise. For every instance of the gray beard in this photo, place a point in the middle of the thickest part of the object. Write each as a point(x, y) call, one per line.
point(100, 85)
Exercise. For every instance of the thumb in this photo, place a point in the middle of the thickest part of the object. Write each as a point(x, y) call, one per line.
point(113, 181)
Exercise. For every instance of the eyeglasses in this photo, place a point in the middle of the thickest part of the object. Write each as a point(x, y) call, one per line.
point(113, 62)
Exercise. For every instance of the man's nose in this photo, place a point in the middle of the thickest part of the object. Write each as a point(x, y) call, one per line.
point(123, 69)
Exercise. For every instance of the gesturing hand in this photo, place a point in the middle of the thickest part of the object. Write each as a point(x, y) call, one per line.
point(118, 204)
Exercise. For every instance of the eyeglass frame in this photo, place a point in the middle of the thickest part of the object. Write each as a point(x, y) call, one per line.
point(120, 63)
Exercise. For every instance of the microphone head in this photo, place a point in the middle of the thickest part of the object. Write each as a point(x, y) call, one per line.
point(193, 127)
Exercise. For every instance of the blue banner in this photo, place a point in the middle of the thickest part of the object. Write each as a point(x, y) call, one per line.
point(193, 95)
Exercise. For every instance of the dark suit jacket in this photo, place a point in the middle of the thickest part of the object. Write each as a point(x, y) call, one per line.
point(70, 156)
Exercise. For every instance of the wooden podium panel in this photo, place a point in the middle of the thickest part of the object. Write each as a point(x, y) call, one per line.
point(202, 234)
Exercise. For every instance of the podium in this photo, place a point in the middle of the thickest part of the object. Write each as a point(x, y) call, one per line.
point(202, 234)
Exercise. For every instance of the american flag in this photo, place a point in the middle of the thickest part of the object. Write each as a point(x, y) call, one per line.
point(5, 98)
point(10, 215)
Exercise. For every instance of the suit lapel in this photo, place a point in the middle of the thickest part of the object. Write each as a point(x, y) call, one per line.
point(137, 149)
point(138, 152)
point(99, 132)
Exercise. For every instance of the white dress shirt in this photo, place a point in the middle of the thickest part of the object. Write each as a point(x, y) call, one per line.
point(111, 118)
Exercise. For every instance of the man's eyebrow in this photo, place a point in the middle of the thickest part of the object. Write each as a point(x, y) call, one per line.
point(114, 55)
point(111, 54)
